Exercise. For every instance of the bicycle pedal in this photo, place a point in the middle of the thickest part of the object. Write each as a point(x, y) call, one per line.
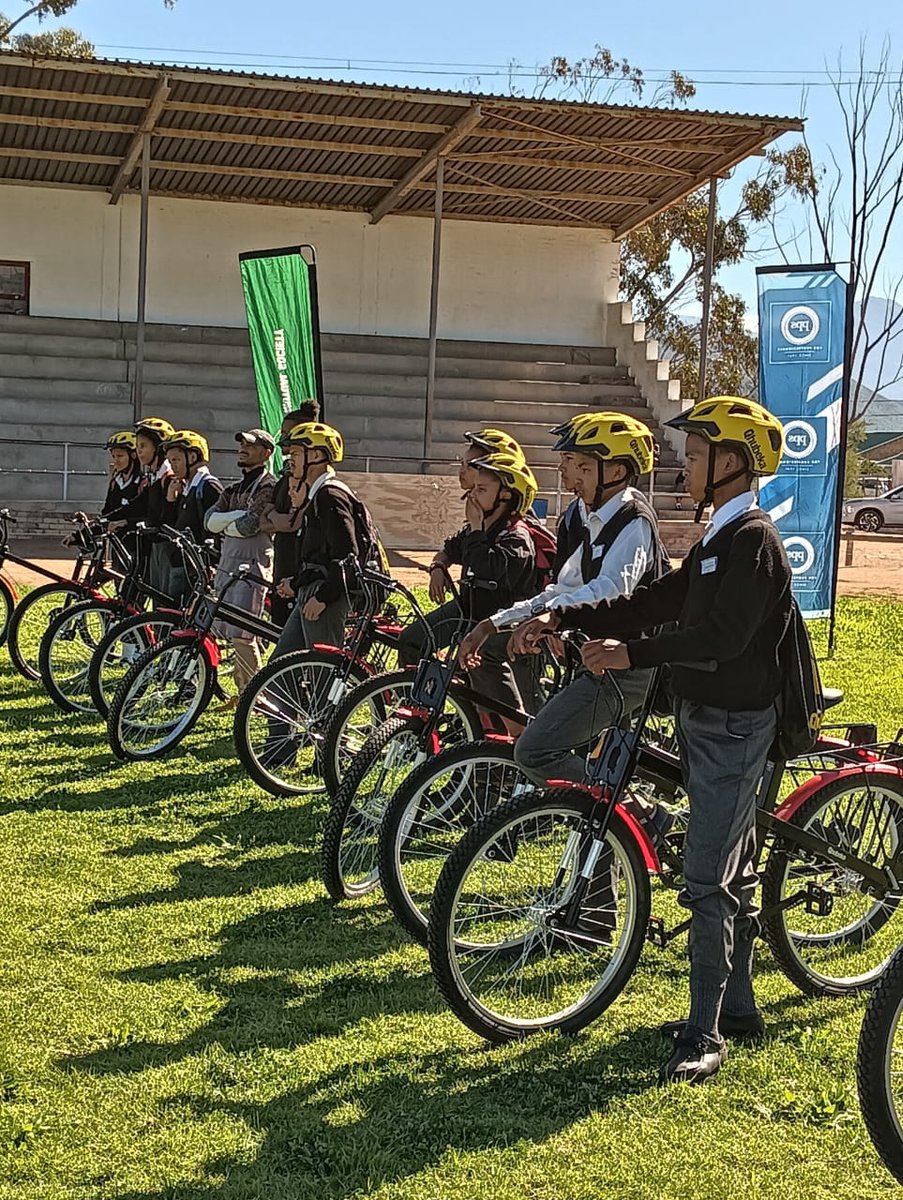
point(819, 903)
point(657, 933)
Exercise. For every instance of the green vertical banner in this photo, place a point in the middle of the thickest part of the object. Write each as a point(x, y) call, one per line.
point(280, 290)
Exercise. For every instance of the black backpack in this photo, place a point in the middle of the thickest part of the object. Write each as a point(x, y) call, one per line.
point(800, 703)
point(371, 553)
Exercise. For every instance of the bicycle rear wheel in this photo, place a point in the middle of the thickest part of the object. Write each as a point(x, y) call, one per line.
point(282, 717)
point(829, 934)
point(67, 648)
point(430, 812)
point(30, 619)
point(361, 710)
point(879, 1067)
point(519, 942)
point(160, 699)
point(119, 649)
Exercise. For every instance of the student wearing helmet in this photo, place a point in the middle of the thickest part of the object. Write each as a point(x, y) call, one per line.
point(327, 536)
point(125, 471)
point(242, 517)
point(444, 619)
point(190, 491)
point(619, 549)
point(495, 552)
point(149, 504)
point(288, 498)
point(731, 600)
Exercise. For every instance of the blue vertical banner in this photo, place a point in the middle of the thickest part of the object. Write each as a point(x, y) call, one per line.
point(802, 320)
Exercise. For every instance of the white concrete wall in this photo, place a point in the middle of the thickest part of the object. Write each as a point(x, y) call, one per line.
point(499, 282)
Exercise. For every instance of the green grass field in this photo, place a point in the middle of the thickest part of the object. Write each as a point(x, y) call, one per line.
point(184, 1016)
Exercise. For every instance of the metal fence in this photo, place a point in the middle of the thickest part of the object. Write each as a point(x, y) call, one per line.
point(366, 463)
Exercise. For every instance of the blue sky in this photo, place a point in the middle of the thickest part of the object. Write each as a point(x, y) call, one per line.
point(735, 62)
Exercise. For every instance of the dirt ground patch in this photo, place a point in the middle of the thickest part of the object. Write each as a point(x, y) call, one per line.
point(876, 570)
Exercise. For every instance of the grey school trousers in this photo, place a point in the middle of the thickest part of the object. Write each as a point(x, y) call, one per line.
point(327, 630)
point(724, 755)
point(573, 718)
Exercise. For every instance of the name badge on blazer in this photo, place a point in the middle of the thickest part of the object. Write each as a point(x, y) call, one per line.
point(708, 566)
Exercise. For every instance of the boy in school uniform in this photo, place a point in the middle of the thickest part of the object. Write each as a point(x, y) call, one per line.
point(731, 599)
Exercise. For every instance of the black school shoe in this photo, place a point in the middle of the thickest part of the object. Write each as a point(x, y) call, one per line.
point(696, 1058)
point(749, 1027)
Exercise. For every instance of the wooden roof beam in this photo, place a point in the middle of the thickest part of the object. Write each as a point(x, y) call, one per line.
point(718, 169)
point(148, 121)
point(568, 164)
point(458, 131)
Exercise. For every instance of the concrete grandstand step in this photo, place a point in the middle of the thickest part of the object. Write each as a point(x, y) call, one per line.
point(53, 367)
point(589, 396)
point(471, 414)
point(57, 345)
point(63, 326)
point(461, 348)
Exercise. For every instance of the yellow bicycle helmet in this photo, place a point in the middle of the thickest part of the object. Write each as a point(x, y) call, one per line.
point(314, 435)
point(514, 474)
point(741, 422)
point(494, 441)
point(123, 439)
point(154, 428)
point(187, 439)
point(610, 436)
point(571, 424)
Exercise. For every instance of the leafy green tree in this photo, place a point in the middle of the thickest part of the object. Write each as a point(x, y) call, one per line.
point(663, 262)
point(63, 41)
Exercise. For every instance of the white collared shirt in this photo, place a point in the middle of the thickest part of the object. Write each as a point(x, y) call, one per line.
point(197, 479)
point(162, 471)
point(737, 507)
point(626, 561)
point(328, 474)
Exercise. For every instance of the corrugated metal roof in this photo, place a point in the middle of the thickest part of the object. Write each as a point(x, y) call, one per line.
point(268, 139)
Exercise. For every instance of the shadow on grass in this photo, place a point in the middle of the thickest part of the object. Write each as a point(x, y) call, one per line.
point(374, 1123)
point(269, 1005)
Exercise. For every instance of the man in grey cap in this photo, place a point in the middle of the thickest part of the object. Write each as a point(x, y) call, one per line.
point(241, 516)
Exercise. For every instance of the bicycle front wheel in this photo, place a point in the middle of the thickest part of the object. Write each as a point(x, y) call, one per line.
point(160, 699)
point(8, 601)
point(430, 812)
point(119, 649)
point(67, 649)
point(536, 924)
point(282, 717)
point(348, 859)
point(830, 935)
point(30, 619)
point(879, 1067)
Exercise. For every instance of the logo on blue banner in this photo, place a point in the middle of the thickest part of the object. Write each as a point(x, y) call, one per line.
point(801, 344)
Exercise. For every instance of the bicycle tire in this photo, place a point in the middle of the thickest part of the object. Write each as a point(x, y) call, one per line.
point(384, 693)
point(180, 653)
point(273, 695)
point(101, 687)
point(494, 840)
point(8, 600)
point(811, 955)
point(68, 637)
point(410, 861)
point(22, 638)
point(874, 1067)
point(344, 814)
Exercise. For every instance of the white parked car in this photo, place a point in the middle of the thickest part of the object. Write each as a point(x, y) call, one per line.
point(873, 514)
